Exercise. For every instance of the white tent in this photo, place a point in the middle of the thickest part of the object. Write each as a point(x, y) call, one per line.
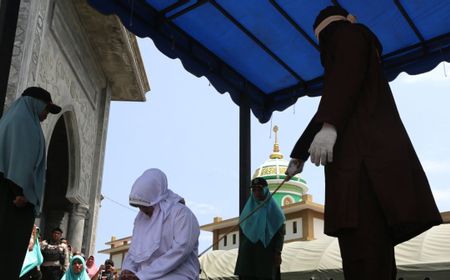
point(427, 255)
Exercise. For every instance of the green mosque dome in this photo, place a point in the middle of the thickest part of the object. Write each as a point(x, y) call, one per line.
point(273, 171)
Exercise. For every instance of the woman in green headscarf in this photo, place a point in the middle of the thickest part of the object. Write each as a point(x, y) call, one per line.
point(77, 270)
point(261, 236)
point(22, 174)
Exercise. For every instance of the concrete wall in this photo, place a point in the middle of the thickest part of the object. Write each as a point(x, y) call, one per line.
point(294, 229)
point(231, 242)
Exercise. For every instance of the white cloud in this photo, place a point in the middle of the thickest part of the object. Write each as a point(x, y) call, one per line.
point(205, 241)
point(439, 74)
point(442, 194)
point(434, 166)
point(205, 236)
point(200, 208)
point(442, 197)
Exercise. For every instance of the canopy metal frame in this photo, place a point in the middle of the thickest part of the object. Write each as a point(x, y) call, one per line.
point(264, 100)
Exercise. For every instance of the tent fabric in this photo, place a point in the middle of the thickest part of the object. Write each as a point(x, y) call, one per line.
point(266, 50)
point(425, 255)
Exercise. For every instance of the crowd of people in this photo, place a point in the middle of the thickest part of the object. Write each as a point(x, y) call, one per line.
point(356, 133)
point(53, 259)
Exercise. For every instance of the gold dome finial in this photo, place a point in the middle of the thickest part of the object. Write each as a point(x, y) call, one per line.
point(276, 148)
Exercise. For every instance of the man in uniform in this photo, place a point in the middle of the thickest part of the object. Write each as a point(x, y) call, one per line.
point(56, 257)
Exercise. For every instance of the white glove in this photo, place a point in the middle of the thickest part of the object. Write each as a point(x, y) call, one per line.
point(295, 166)
point(321, 149)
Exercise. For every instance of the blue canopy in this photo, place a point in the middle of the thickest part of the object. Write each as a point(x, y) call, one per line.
point(266, 49)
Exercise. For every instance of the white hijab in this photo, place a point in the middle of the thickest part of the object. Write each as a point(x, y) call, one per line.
point(150, 189)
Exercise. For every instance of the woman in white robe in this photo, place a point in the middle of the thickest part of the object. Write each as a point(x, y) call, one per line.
point(164, 244)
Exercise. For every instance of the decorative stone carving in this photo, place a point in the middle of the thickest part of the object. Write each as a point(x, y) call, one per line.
point(71, 40)
point(37, 40)
point(56, 75)
point(118, 53)
point(18, 52)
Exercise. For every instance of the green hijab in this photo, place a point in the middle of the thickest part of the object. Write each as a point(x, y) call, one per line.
point(22, 148)
point(70, 274)
point(265, 222)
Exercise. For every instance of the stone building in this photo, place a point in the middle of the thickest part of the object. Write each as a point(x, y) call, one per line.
point(85, 60)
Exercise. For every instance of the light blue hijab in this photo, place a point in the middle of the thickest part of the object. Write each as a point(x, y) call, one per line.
point(265, 222)
point(33, 258)
point(70, 275)
point(22, 148)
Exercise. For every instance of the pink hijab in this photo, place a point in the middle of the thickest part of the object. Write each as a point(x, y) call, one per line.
point(91, 267)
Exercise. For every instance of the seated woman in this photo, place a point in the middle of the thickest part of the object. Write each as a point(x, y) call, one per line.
point(77, 270)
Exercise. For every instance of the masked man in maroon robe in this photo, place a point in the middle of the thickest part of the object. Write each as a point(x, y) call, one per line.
point(377, 194)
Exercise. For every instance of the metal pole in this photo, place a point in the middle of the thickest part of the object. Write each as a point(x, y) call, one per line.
point(244, 150)
point(9, 12)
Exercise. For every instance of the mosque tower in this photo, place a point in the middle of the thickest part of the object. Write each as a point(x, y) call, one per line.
point(273, 171)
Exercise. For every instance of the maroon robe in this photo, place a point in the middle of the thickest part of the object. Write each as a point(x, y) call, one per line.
point(357, 100)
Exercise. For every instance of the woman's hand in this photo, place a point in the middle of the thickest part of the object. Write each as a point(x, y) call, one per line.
point(20, 201)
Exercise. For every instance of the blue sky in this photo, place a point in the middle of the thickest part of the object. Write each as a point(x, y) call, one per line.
point(191, 132)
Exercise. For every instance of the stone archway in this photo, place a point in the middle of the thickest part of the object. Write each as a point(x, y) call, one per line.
point(56, 207)
point(63, 205)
